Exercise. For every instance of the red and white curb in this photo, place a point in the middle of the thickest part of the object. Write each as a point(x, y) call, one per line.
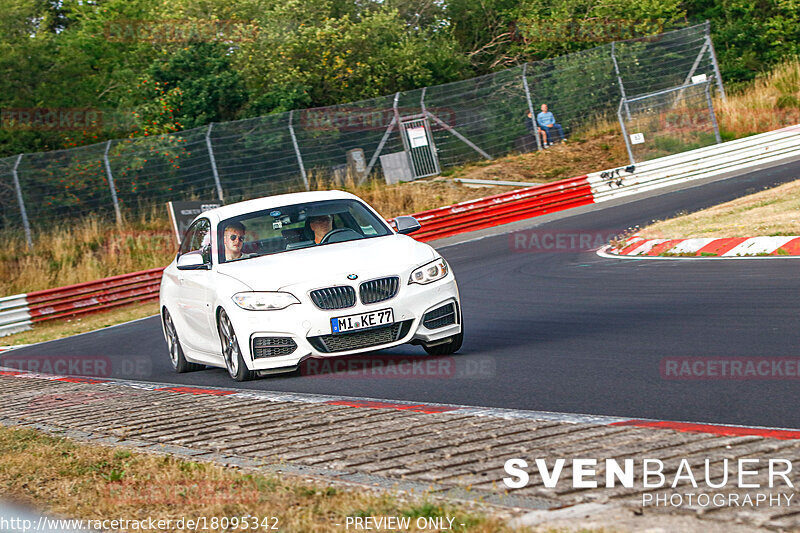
point(9, 348)
point(425, 408)
point(728, 248)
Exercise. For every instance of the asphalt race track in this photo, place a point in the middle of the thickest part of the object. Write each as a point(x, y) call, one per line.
point(563, 331)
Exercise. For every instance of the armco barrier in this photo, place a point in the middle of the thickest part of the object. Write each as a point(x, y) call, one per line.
point(765, 148)
point(503, 208)
point(20, 311)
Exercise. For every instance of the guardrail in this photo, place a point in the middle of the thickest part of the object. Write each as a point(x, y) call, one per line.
point(503, 208)
point(697, 164)
point(20, 311)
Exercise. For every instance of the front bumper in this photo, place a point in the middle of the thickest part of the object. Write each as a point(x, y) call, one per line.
point(305, 325)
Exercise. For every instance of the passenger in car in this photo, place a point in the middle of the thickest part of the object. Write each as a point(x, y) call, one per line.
point(321, 226)
point(234, 240)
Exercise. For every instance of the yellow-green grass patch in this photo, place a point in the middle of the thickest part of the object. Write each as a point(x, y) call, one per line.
point(94, 482)
point(770, 212)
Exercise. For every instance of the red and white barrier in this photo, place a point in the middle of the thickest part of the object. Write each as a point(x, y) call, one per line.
point(503, 208)
point(21, 311)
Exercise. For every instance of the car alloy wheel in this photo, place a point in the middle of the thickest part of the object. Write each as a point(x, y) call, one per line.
point(176, 357)
point(172, 339)
point(231, 352)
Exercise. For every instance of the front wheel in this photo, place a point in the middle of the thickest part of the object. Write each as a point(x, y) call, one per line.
point(231, 352)
point(448, 348)
point(176, 357)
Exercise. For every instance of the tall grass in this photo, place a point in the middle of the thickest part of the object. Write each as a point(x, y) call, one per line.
point(94, 248)
point(772, 101)
point(89, 249)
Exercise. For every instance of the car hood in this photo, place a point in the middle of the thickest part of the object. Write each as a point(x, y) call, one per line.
point(330, 264)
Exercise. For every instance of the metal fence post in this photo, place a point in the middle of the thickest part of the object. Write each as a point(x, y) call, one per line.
point(714, 61)
point(110, 177)
point(625, 131)
point(619, 77)
point(25, 222)
point(406, 147)
point(214, 163)
point(530, 106)
point(434, 151)
point(386, 134)
point(297, 151)
point(711, 112)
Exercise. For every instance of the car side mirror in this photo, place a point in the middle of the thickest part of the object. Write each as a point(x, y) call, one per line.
point(192, 261)
point(406, 225)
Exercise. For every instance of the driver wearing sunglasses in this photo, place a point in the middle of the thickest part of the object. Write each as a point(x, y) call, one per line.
point(234, 240)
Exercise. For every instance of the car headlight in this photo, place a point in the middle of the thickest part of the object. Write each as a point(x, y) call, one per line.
point(429, 273)
point(264, 301)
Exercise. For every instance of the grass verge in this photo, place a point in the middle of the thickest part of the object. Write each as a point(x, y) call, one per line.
point(92, 482)
point(774, 211)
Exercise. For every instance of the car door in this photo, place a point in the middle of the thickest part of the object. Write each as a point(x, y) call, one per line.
point(195, 292)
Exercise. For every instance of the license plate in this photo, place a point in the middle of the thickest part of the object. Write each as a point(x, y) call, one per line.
point(362, 321)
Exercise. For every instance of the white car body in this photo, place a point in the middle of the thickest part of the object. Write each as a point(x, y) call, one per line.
point(196, 299)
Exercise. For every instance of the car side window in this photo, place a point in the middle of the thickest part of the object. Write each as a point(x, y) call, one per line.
point(198, 240)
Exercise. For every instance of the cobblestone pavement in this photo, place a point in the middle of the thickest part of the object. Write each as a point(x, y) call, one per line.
point(451, 451)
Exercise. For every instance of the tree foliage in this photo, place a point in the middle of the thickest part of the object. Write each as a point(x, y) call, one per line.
point(155, 66)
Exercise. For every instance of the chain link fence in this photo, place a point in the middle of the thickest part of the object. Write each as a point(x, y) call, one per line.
point(397, 137)
point(668, 122)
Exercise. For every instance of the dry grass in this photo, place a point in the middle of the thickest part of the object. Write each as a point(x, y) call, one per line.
point(771, 212)
point(58, 329)
point(97, 482)
point(88, 250)
point(596, 147)
point(771, 102)
point(406, 198)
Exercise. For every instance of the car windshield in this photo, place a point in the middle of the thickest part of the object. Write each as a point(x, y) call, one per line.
point(297, 226)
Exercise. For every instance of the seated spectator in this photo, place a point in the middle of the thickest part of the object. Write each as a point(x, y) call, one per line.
point(540, 131)
point(547, 121)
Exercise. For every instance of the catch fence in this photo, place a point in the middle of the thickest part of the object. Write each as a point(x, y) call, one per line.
point(397, 137)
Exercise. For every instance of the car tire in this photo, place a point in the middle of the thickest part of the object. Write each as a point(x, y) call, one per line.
point(231, 353)
point(448, 348)
point(178, 360)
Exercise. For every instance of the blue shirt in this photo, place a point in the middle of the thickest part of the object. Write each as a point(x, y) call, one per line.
point(545, 119)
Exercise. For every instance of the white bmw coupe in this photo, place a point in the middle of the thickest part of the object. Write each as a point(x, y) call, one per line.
point(261, 285)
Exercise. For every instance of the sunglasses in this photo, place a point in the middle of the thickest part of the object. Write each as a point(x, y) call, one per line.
point(234, 236)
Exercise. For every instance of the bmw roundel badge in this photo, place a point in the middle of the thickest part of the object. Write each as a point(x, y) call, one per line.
point(352, 276)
